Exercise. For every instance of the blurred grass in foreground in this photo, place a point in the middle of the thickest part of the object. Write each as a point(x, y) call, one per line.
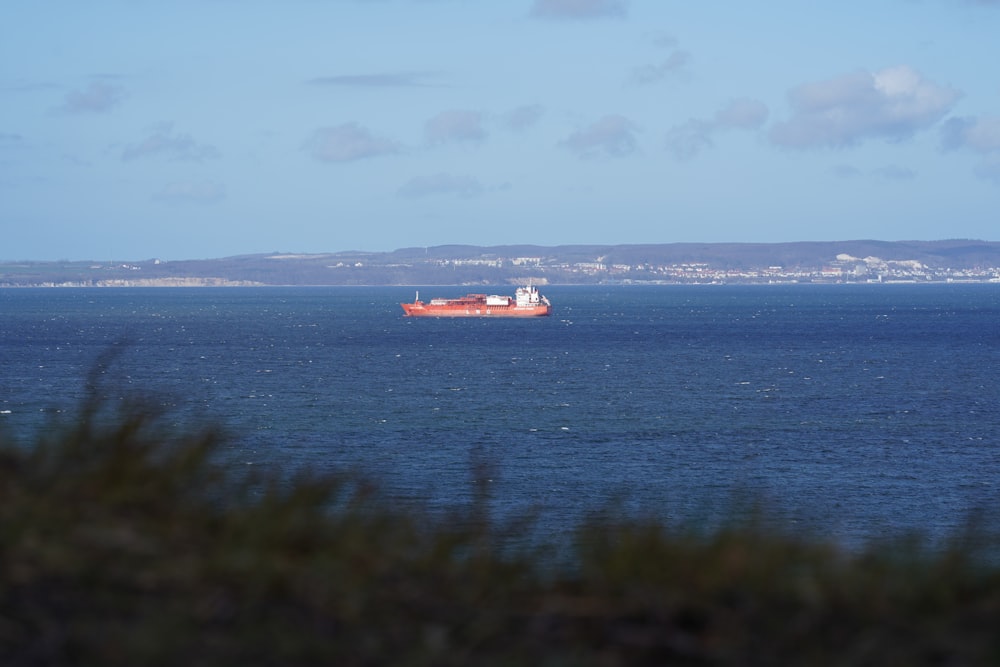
point(122, 543)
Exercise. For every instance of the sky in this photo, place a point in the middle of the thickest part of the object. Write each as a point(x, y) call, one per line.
point(190, 129)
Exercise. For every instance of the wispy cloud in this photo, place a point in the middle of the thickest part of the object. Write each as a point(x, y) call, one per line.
point(98, 97)
point(890, 172)
point(164, 142)
point(662, 40)
point(894, 172)
point(688, 139)
point(30, 87)
point(522, 117)
point(989, 171)
point(10, 140)
point(578, 9)
point(441, 184)
point(846, 171)
point(741, 114)
point(376, 80)
point(346, 143)
point(191, 192)
point(611, 136)
point(674, 63)
point(455, 126)
point(981, 135)
point(892, 103)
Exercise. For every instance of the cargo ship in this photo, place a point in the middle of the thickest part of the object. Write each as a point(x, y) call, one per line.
point(526, 302)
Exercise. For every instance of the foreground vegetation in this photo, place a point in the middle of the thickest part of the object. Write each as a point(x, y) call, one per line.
point(123, 544)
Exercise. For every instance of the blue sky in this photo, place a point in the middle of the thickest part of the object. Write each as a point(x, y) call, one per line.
point(135, 129)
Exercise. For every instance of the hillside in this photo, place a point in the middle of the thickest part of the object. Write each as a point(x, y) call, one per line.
point(827, 261)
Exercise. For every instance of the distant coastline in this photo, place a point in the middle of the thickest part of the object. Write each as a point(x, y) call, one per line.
point(947, 261)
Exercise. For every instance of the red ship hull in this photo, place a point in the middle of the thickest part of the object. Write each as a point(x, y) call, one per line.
point(427, 310)
point(526, 303)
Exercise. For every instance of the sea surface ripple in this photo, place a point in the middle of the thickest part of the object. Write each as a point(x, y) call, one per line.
point(852, 411)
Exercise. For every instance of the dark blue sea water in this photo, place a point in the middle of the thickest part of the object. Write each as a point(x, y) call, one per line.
point(854, 411)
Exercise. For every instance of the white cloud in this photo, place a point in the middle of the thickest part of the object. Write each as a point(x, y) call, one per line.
point(578, 9)
point(98, 97)
point(163, 141)
point(892, 103)
point(189, 192)
point(440, 184)
point(688, 139)
point(612, 136)
point(346, 143)
point(455, 126)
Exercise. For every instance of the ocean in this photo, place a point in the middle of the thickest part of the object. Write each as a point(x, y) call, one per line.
point(855, 412)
